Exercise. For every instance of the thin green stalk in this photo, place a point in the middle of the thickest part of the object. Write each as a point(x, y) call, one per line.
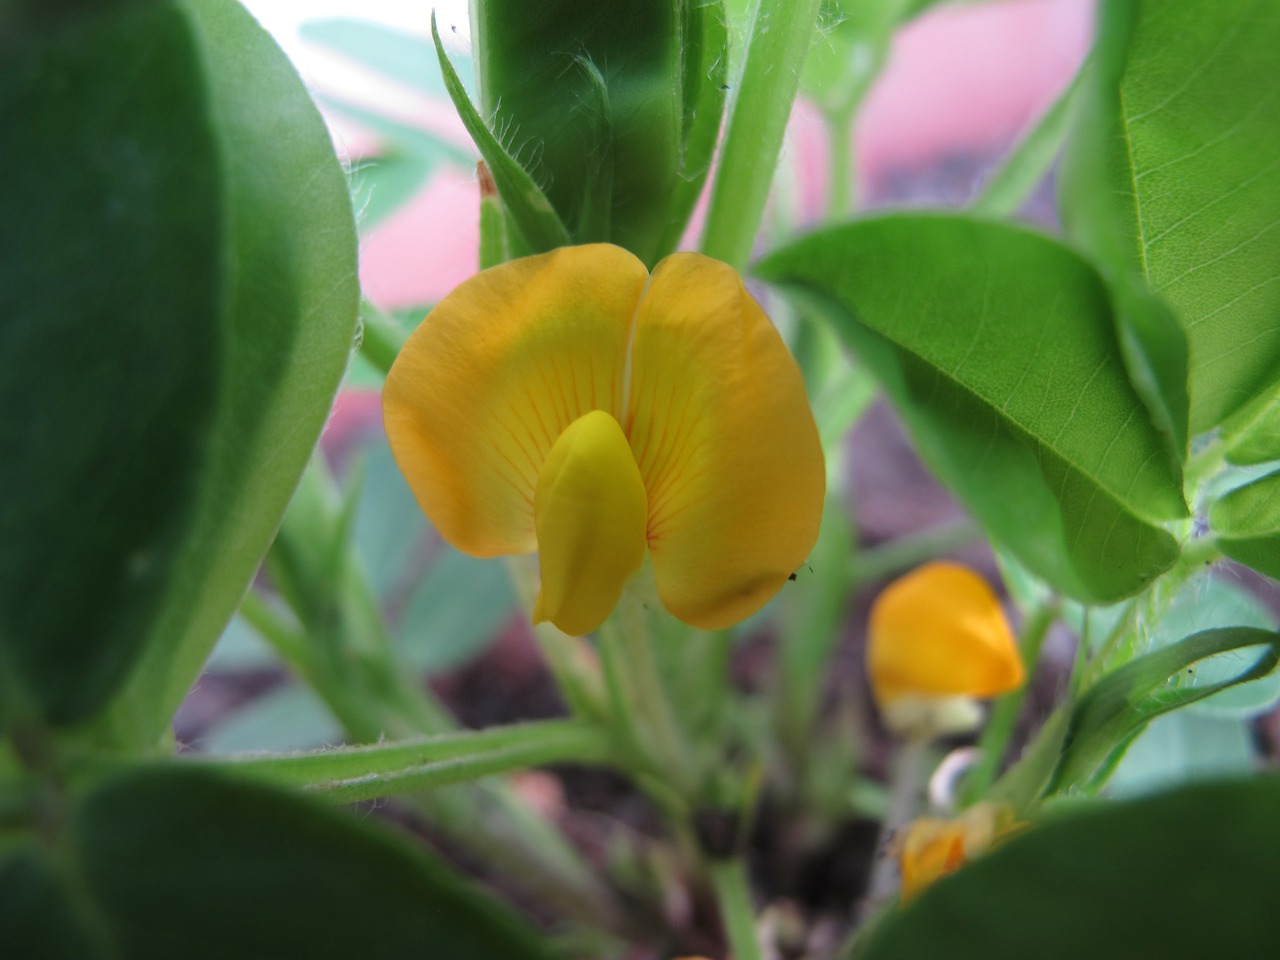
point(316, 768)
point(1011, 184)
point(733, 895)
point(781, 34)
point(572, 664)
point(840, 176)
point(640, 698)
point(994, 742)
point(381, 337)
point(906, 786)
point(910, 551)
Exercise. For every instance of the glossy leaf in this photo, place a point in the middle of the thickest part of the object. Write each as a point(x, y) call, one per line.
point(1180, 876)
point(111, 293)
point(1171, 179)
point(290, 297)
point(1248, 522)
point(996, 346)
point(173, 862)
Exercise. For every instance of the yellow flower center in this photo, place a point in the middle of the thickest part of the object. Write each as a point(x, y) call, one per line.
point(590, 513)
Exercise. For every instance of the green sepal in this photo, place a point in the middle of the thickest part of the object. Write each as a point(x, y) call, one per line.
point(531, 212)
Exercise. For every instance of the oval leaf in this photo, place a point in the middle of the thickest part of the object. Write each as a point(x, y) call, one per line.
point(291, 298)
point(172, 862)
point(1181, 876)
point(111, 294)
point(997, 348)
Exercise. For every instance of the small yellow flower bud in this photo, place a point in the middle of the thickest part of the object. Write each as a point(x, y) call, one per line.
point(937, 641)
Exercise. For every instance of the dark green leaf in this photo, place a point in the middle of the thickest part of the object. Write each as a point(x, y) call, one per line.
point(996, 346)
point(39, 915)
point(1171, 179)
point(530, 211)
point(111, 298)
point(188, 863)
point(1248, 522)
point(290, 296)
point(1181, 876)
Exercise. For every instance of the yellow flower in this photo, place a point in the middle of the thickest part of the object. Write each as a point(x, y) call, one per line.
point(572, 404)
point(937, 640)
point(930, 848)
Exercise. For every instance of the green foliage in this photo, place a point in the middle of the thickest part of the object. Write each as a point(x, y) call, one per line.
point(996, 347)
point(1169, 179)
point(113, 261)
point(1248, 520)
point(1173, 877)
point(166, 861)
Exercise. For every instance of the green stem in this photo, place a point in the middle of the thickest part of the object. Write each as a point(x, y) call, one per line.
point(906, 552)
point(319, 767)
point(840, 176)
point(994, 742)
point(1011, 184)
point(640, 700)
point(733, 895)
point(381, 337)
point(781, 33)
point(580, 744)
point(906, 786)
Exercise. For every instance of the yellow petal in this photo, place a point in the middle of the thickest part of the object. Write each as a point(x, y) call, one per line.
point(932, 848)
point(591, 509)
point(494, 375)
point(725, 441)
point(939, 631)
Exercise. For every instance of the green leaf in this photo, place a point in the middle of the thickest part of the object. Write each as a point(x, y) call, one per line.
point(1180, 876)
point(289, 300)
point(389, 528)
point(996, 346)
point(531, 212)
point(111, 293)
point(1253, 434)
point(1171, 178)
point(1248, 523)
point(1118, 707)
point(184, 862)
